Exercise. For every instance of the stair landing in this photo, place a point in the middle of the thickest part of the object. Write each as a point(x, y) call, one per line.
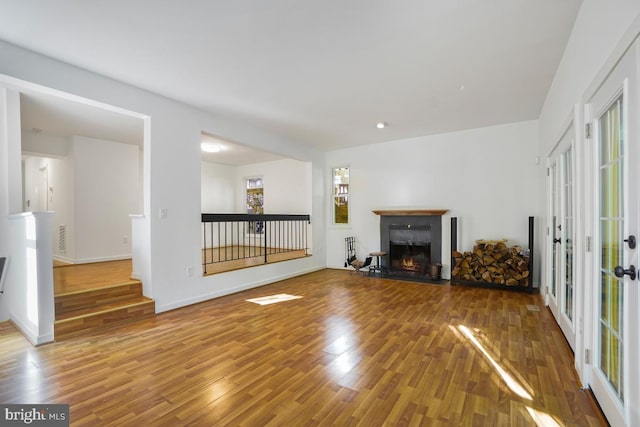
point(89, 297)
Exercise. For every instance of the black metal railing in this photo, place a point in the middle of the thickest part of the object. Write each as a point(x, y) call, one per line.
point(261, 238)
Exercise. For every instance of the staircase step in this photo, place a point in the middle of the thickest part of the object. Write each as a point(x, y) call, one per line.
point(85, 320)
point(91, 298)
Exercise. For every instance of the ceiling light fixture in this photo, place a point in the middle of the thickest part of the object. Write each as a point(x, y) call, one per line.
point(381, 125)
point(209, 147)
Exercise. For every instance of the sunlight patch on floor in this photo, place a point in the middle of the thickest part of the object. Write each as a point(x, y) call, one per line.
point(272, 299)
point(508, 379)
point(542, 419)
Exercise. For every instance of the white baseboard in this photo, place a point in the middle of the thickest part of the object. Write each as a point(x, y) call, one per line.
point(63, 259)
point(91, 260)
point(29, 334)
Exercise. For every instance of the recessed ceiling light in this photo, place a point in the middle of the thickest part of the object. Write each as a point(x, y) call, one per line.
point(461, 88)
point(209, 147)
point(381, 125)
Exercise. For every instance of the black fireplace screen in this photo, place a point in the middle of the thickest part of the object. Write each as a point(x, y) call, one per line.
point(409, 249)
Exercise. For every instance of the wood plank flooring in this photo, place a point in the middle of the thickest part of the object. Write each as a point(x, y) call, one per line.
point(238, 257)
point(81, 277)
point(94, 296)
point(354, 350)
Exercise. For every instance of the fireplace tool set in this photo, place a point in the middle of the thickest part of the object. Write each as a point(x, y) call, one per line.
point(350, 255)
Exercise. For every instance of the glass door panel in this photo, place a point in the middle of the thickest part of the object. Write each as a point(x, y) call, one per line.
point(611, 165)
point(567, 233)
point(554, 230)
point(612, 321)
point(560, 294)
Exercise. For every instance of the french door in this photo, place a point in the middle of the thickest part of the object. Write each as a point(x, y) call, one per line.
point(561, 292)
point(612, 113)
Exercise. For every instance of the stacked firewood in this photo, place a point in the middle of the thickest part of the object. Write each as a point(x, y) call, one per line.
point(492, 262)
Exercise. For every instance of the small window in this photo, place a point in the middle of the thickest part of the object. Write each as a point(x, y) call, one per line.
point(341, 195)
point(255, 203)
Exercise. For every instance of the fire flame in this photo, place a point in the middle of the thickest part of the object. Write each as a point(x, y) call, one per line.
point(409, 264)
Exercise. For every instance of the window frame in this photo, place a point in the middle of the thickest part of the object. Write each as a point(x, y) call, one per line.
point(340, 195)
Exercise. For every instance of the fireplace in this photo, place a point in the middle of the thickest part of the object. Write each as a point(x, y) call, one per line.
point(409, 249)
point(413, 243)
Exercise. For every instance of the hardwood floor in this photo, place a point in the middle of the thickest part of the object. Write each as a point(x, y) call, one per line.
point(238, 257)
point(81, 277)
point(354, 350)
point(95, 296)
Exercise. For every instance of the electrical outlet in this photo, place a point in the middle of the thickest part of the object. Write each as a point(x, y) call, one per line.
point(125, 239)
point(163, 213)
point(189, 271)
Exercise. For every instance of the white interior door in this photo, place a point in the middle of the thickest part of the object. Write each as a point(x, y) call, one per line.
point(614, 370)
point(561, 295)
point(554, 240)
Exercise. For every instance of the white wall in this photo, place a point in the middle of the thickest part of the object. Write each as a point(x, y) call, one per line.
point(31, 183)
point(62, 202)
point(218, 188)
point(92, 189)
point(172, 179)
point(61, 198)
point(5, 249)
point(106, 192)
point(10, 192)
point(597, 30)
point(287, 186)
point(42, 143)
point(486, 177)
point(30, 298)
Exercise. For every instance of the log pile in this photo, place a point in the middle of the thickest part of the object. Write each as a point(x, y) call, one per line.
point(492, 263)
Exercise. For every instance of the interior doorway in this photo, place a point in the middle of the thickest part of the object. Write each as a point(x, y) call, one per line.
point(82, 160)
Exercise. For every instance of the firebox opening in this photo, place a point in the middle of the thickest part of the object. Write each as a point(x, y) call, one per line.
point(410, 259)
point(409, 249)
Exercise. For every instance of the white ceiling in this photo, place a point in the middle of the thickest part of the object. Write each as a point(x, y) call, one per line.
point(235, 154)
point(319, 72)
point(54, 115)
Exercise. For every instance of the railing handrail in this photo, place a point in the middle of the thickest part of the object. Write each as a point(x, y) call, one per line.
point(223, 217)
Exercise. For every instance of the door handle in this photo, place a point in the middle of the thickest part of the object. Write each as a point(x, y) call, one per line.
point(631, 241)
point(619, 272)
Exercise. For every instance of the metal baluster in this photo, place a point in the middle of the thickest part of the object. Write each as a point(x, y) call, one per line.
point(219, 243)
point(264, 229)
point(204, 238)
